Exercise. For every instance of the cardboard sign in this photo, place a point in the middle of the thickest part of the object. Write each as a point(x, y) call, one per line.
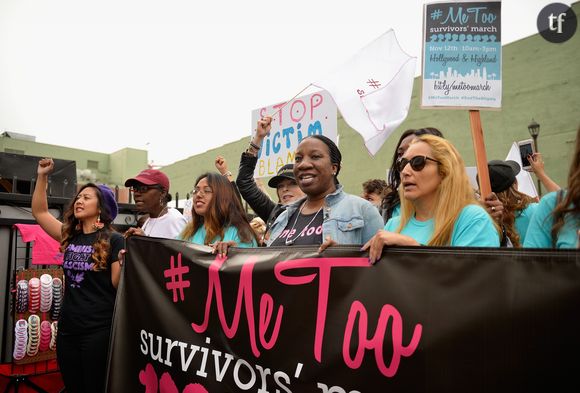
point(304, 116)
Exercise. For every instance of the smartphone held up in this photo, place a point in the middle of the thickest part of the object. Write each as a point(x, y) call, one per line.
point(526, 149)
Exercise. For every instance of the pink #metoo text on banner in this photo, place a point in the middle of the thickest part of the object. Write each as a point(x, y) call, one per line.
point(290, 320)
point(313, 114)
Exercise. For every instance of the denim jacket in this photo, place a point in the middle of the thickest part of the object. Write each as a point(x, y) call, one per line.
point(348, 219)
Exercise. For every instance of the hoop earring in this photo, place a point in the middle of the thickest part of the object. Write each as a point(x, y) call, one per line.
point(98, 224)
point(78, 226)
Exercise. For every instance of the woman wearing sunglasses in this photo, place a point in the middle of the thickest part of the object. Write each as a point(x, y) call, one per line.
point(151, 193)
point(438, 206)
point(218, 218)
point(391, 203)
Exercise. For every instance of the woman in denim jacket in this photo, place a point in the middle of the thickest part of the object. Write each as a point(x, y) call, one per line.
point(327, 215)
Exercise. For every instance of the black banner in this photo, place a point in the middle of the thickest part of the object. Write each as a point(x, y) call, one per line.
point(290, 320)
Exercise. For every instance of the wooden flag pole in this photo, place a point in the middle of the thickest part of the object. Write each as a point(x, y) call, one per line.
point(480, 155)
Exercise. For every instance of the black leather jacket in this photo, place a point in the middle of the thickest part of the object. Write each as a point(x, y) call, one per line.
point(260, 203)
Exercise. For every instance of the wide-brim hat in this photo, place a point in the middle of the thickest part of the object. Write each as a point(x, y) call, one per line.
point(149, 177)
point(502, 174)
point(286, 172)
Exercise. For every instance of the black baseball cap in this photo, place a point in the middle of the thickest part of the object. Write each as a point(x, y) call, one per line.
point(286, 172)
point(502, 174)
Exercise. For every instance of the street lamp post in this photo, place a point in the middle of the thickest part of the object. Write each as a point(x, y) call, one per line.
point(534, 129)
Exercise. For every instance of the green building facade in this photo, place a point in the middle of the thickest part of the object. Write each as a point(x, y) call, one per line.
point(112, 169)
point(540, 81)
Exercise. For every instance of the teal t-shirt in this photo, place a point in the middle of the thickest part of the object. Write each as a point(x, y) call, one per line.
point(522, 221)
point(539, 233)
point(231, 233)
point(396, 211)
point(473, 228)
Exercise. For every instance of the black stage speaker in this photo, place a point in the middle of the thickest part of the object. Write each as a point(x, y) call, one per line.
point(18, 175)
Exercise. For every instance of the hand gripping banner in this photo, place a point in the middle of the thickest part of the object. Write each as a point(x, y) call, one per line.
point(290, 320)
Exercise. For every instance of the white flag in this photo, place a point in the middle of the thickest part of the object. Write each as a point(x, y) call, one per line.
point(525, 181)
point(373, 89)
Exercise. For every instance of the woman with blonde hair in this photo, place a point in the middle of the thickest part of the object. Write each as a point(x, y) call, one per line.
point(438, 206)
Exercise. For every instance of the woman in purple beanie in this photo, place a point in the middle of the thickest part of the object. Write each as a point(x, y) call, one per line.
point(90, 246)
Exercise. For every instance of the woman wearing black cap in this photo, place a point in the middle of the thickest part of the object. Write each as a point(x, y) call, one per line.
point(92, 271)
point(326, 215)
point(518, 207)
point(284, 181)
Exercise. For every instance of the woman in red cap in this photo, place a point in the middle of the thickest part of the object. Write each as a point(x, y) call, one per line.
point(151, 194)
point(92, 271)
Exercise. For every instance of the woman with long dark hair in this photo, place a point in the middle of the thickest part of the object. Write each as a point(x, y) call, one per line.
point(556, 222)
point(90, 246)
point(218, 218)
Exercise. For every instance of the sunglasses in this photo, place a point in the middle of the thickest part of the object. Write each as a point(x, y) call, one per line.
point(417, 163)
point(143, 188)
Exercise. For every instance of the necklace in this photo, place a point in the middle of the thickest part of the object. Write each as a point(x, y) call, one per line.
point(289, 241)
point(151, 224)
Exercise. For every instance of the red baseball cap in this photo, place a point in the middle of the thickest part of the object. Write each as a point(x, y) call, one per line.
point(149, 177)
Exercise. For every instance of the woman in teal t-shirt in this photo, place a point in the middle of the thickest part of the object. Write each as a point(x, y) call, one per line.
point(556, 222)
point(438, 205)
point(518, 207)
point(218, 219)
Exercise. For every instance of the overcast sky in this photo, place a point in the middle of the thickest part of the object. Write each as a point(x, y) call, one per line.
point(177, 78)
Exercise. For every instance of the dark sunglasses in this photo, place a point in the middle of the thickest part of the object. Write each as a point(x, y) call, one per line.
point(143, 188)
point(417, 163)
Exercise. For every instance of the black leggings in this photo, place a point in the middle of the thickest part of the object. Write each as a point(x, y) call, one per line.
point(82, 360)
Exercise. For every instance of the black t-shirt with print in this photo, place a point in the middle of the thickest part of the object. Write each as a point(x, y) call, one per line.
point(89, 296)
point(306, 231)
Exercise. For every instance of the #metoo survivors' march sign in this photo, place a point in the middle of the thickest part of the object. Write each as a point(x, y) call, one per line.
point(462, 55)
point(269, 320)
point(303, 116)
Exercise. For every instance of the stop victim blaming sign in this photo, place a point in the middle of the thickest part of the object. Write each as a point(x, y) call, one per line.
point(314, 114)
